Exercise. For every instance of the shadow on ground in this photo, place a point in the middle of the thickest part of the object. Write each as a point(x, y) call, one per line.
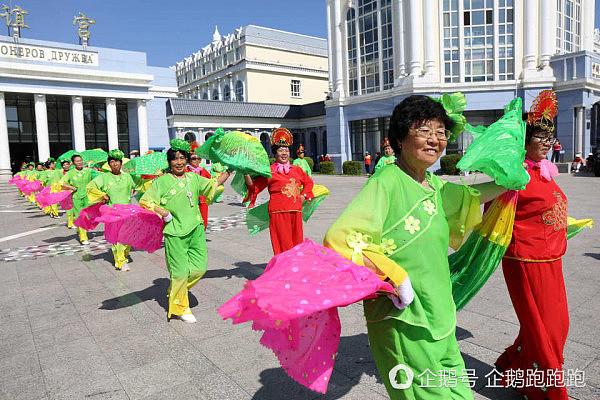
point(156, 292)
point(243, 269)
point(353, 360)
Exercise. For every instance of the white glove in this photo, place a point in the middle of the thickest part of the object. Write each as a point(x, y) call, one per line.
point(168, 218)
point(404, 295)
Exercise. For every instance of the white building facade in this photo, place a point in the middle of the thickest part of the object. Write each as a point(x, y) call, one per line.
point(382, 51)
point(59, 96)
point(256, 64)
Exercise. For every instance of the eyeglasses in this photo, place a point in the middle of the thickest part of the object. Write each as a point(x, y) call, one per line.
point(545, 139)
point(425, 133)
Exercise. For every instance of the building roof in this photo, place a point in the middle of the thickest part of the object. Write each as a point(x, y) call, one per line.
point(284, 40)
point(213, 108)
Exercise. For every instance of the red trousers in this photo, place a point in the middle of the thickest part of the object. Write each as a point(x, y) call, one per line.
point(286, 230)
point(204, 212)
point(537, 292)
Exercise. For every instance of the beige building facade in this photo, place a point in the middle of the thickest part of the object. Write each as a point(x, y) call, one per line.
point(256, 64)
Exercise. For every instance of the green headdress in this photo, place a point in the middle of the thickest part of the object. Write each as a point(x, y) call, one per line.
point(116, 154)
point(180, 144)
point(50, 159)
point(454, 104)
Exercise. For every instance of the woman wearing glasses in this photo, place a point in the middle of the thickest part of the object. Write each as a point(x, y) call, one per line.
point(532, 264)
point(400, 226)
point(196, 165)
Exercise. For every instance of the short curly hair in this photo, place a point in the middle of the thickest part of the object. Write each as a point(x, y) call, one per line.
point(414, 109)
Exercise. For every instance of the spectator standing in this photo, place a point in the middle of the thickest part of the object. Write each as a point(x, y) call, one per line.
point(367, 162)
point(556, 148)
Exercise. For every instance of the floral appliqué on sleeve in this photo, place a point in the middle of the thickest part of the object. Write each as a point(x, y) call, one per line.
point(411, 224)
point(358, 242)
point(429, 207)
point(388, 246)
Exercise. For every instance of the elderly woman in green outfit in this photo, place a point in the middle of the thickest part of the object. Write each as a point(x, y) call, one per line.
point(400, 226)
point(76, 180)
point(174, 196)
point(110, 188)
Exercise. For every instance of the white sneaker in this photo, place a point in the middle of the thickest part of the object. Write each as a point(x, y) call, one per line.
point(187, 318)
point(85, 242)
point(125, 267)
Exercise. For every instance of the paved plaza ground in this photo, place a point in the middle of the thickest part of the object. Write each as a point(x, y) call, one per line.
point(72, 327)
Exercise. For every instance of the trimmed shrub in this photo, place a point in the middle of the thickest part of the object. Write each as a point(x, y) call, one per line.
point(327, 167)
point(352, 168)
point(448, 164)
point(310, 162)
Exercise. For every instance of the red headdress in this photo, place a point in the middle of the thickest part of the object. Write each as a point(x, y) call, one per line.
point(282, 137)
point(385, 143)
point(194, 145)
point(543, 111)
point(300, 149)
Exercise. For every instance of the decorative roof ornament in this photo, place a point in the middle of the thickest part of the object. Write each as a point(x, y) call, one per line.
point(543, 111)
point(84, 23)
point(216, 35)
point(15, 18)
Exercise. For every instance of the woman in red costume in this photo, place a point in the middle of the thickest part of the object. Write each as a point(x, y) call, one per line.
point(196, 166)
point(532, 266)
point(288, 186)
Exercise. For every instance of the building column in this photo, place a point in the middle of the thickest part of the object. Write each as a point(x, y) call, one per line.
point(329, 46)
point(546, 34)
point(578, 145)
point(587, 25)
point(78, 126)
point(111, 123)
point(529, 56)
point(5, 168)
point(338, 31)
point(430, 38)
point(41, 126)
point(399, 35)
point(142, 126)
point(231, 89)
point(415, 28)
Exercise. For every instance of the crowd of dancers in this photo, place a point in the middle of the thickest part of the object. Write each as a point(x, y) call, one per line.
point(399, 227)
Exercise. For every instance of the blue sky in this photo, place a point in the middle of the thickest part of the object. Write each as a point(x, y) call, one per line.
point(170, 30)
point(166, 30)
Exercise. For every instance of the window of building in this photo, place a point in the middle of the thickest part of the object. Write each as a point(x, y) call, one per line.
point(189, 137)
point(506, 46)
point(214, 64)
point(479, 40)
point(194, 74)
point(205, 96)
point(215, 95)
point(239, 91)
point(59, 123)
point(237, 54)
point(352, 53)
point(568, 26)
point(370, 47)
point(203, 69)
point(225, 59)
point(451, 40)
point(226, 93)
point(295, 87)
point(367, 135)
point(123, 126)
point(94, 118)
point(387, 46)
